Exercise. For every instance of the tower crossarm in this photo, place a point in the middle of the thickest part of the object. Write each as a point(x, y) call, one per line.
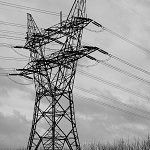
point(56, 32)
point(64, 58)
point(63, 27)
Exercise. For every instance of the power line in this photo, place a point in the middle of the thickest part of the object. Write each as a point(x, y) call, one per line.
point(117, 58)
point(12, 24)
point(12, 58)
point(106, 64)
point(30, 8)
point(11, 32)
point(3, 75)
point(4, 35)
point(18, 59)
point(19, 53)
point(112, 56)
point(100, 79)
point(18, 82)
point(12, 69)
point(10, 46)
point(57, 86)
point(127, 40)
point(129, 64)
point(6, 44)
point(125, 73)
point(97, 101)
point(104, 28)
point(125, 62)
point(11, 37)
point(57, 14)
point(111, 106)
point(120, 36)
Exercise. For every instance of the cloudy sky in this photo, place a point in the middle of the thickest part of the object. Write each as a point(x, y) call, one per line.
point(103, 113)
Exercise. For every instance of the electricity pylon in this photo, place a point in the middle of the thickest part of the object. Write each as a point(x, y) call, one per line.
point(54, 125)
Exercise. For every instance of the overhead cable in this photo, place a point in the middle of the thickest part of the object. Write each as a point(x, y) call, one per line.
point(112, 84)
point(121, 37)
point(5, 45)
point(18, 82)
point(114, 107)
point(13, 24)
point(129, 64)
point(5, 35)
point(11, 37)
point(6, 69)
point(19, 53)
point(11, 32)
point(13, 58)
point(4, 75)
point(126, 73)
point(127, 40)
point(30, 8)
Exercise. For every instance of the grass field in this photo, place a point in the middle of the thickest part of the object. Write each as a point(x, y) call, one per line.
point(119, 145)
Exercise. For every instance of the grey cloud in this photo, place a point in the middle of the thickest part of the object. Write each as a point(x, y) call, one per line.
point(13, 126)
point(7, 85)
point(10, 125)
point(145, 3)
point(101, 123)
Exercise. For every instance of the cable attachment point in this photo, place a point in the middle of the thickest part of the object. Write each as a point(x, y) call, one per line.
point(98, 25)
point(102, 51)
point(20, 47)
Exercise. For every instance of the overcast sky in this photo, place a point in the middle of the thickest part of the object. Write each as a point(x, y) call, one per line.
point(99, 119)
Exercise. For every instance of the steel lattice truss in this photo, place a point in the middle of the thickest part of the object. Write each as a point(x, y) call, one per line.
point(54, 124)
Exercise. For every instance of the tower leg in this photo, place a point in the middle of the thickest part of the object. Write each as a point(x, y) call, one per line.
point(54, 125)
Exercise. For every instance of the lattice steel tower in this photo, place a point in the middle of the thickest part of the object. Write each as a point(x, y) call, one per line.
point(53, 73)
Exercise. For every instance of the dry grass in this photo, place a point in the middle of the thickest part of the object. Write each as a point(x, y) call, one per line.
point(120, 145)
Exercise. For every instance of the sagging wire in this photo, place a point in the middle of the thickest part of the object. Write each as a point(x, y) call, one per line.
point(118, 59)
point(31, 8)
point(12, 47)
point(112, 106)
point(6, 45)
point(131, 75)
point(12, 58)
point(113, 84)
point(130, 65)
point(3, 74)
point(119, 69)
point(127, 40)
point(121, 37)
point(8, 69)
point(18, 82)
